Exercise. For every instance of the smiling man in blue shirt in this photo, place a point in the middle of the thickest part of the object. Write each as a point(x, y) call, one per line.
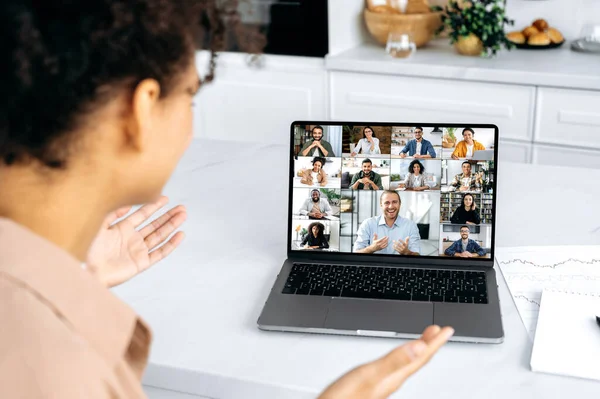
point(388, 233)
point(418, 147)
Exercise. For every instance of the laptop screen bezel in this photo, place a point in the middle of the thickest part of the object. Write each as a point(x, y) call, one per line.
point(396, 260)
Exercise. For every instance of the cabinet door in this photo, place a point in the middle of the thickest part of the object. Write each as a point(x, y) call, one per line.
point(570, 117)
point(514, 151)
point(563, 156)
point(386, 98)
point(258, 103)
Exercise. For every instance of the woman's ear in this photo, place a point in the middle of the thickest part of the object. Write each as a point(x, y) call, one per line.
point(143, 105)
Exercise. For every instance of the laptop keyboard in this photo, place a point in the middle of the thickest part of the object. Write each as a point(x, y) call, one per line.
point(394, 283)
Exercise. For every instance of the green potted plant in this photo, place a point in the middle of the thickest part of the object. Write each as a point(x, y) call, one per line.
point(303, 233)
point(476, 27)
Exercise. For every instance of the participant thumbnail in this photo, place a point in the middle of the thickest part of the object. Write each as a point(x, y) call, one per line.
point(366, 173)
point(366, 141)
point(317, 172)
point(416, 174)
point(316, 204)
point(365, 214)
point(416, 142)
point(317, 141)
point(468, 143)
point(316, 235)
point(467, 241)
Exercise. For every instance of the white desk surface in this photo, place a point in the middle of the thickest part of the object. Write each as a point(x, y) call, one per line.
point(203, 301)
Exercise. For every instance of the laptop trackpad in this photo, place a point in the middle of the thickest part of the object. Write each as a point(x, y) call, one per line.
point(365, 314)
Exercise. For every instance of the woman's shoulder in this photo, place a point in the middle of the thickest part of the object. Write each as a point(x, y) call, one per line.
point(24, 316)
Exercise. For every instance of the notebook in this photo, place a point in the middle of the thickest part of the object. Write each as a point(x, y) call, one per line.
point(567, 337)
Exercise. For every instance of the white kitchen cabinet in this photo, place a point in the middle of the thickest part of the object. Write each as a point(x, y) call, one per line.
point(570, 117)
point(514, 151)
point(258, 103)
point(373, 97)
point(564, 156)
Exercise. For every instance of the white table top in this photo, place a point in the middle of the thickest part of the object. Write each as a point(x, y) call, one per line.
point(560, 67)
point(203, 301)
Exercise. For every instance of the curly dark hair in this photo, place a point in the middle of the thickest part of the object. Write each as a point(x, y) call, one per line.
point(413, 163)
point(320, 227)
point(65, 58)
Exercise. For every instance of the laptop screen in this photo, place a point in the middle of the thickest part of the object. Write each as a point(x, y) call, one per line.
point(396, 190)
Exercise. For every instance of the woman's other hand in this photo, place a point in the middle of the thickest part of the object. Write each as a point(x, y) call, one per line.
point(120, 251)
point(384, 376)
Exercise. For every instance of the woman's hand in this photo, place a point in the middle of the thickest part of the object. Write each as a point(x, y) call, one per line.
point(120, 252)
point(384, 376)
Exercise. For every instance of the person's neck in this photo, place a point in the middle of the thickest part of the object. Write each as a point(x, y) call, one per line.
point(465, 240)
point(66, 210)
point(419, 140)
point(390, 221)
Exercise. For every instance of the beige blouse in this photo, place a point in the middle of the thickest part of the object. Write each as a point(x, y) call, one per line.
point(62, 333)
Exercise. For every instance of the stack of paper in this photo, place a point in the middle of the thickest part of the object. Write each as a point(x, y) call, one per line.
point(567, 338)
point(530, 270)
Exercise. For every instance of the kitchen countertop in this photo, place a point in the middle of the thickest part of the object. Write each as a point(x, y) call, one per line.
point(203, 301)
point(559, 67)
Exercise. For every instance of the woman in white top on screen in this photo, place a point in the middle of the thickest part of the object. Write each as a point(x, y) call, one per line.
point(415, 178)
point(369, 144)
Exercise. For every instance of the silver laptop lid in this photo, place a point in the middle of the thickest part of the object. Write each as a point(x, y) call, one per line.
point(391, 191)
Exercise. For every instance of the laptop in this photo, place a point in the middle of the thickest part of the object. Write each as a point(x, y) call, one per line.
point(483, 155)
point(391, 262)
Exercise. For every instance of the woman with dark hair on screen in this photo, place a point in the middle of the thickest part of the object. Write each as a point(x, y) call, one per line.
point(467, 212)
point(465, 148)
point(315, 239)
point(315, 176)
point(369, 144)
point(415, 178)
point(96, 112)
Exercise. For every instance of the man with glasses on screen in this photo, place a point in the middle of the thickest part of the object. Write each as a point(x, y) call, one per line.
point(418, 147)
point(465, 247)
point(388, 233)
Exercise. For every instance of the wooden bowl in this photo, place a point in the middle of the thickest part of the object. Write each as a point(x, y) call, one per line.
point(422, 26)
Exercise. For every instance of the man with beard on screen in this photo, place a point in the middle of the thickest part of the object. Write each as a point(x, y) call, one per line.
point(317, 146)
point(366, 179)
point(388, 233)
point(315, 206)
